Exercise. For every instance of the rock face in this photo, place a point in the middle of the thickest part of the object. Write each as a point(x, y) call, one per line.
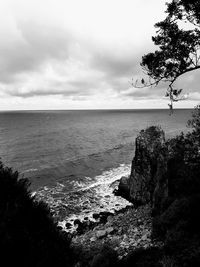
point(147, 182)
point(124, 188)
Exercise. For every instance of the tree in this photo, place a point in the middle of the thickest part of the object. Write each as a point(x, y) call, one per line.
point(178, 48)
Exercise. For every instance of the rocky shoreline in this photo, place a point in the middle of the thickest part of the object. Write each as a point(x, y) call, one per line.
point(129, 228)
point(123, 232)
point(123, 221)
point(87, 205)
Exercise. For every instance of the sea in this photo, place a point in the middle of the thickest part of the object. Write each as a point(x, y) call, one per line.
point(75, 158)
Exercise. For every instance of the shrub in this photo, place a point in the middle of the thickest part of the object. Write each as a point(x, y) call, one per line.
point(140, 257)
point(28, 234)
point(178, 222)
point(107, 257)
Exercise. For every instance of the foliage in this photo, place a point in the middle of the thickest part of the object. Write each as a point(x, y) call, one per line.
point(140, 257)
point(178, 222)
point(194, 123)
point(28, 234)
point(107, 257)
point(178, 48)
point(178, 226)
point(154, 132)
point(187, 10)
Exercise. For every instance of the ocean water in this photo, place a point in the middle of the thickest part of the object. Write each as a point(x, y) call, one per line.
point(73, 158)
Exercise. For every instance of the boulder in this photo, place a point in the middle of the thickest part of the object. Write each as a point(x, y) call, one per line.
point(110, 230)
point(123, 188)
point(68, 225)
point(96, 216)
point(104, 215)
point(77, 222)
point(93, 239)
point(101, 233)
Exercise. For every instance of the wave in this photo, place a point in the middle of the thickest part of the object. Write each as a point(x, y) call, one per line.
point(29, 170)
point(78, 171)
point(108, 177)
point(94, 195)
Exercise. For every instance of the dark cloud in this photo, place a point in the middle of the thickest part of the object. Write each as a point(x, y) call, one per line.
point(46, 92)
point(113, 64)
point(71, 88)
point(33, 45)
point(43, 92)
point(195, 96)
point(149, 92)
point(86, 86)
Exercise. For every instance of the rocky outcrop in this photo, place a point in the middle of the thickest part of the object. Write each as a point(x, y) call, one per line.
point(123, 188)
point(125, 231)
point(147, 182)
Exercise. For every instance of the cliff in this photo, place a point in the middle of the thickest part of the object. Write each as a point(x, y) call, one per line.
point(147, 182)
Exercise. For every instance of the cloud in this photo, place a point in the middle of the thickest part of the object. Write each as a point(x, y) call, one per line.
point(57, 55)
point(195, 96)
point(77, 51)
point(33, 45)
point(48, 61)
point(115, 63)
point(144, 93)
point(70, 88)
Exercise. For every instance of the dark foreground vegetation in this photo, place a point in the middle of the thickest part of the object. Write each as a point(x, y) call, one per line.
point(28, 234)
point(177, 222)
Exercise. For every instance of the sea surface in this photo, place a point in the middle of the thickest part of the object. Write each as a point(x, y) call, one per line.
point(74, 158)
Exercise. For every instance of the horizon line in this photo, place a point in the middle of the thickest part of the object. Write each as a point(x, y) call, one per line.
point(128, 109)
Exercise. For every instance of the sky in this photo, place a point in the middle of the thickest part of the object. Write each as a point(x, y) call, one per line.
point(80, 54)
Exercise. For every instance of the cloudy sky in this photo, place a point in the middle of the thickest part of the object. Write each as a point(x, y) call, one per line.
point(80, 54)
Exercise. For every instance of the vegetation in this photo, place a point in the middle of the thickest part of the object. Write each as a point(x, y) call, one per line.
point(107, 257)
point(176, 222)
point(28, 234)
point(143, 258)
point(178, 41)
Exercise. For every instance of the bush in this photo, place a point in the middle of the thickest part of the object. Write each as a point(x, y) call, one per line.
point(178, 222)
point(143, 258)
point(176, 219)
point(107, 257)
point(28, 234)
